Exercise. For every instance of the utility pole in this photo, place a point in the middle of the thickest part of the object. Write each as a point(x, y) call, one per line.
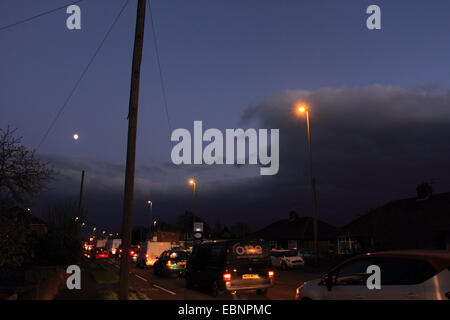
point(81, 194)
point(131, 151)
point(314, 198)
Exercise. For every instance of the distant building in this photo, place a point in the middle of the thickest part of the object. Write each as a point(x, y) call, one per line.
point(298, 232)
point(167, 236)
point(414, 223)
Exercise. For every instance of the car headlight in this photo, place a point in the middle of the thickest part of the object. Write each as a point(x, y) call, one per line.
point(299, 290)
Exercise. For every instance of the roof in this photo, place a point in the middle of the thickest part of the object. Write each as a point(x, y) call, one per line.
point(432, 254)
point(406, 223)
point(296, 229)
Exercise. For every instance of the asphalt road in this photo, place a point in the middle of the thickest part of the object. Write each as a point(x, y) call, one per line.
point(157, 288)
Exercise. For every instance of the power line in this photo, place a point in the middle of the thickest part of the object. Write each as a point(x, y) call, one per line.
point(37, 16)
point(61, 109)
point(163, 87)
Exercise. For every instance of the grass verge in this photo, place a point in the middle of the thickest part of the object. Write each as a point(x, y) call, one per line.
point(102, 276)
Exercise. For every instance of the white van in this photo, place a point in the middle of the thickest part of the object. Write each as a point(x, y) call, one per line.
point(150, 252)
point(112, 245)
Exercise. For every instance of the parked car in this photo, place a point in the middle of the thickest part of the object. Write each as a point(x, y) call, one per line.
point(150, 252)
point(286, 259)
point(100, 253)
point(405, 275)
point(171, 262)
point(230, 265)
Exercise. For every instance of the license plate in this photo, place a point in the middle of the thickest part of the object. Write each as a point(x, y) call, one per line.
point(182, 263)
point(250, 276)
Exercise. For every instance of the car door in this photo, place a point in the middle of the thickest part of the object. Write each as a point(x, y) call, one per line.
point(402, 278)
point(275, 259)
point(349, 281)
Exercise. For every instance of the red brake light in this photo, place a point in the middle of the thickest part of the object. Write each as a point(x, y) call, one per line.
point(120, 250)
point(131, 252)
point(169, 263)
point(271, 274)
point(227, 276)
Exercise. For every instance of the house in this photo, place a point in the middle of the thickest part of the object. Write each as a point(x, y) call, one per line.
point(167, 232)
point(422, 222)
point(298, 232)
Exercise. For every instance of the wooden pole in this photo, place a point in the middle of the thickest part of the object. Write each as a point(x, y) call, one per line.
point(131, 152)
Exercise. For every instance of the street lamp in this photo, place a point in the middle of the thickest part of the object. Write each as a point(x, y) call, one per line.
point(193, 183)
point(151, 217)
point(301, 109)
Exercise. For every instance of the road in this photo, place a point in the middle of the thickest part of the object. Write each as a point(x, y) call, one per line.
point(164, 288)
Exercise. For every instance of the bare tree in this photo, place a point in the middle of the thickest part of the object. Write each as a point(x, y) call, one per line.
point(22, 174)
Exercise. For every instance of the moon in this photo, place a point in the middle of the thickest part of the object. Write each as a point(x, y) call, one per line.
point(75, 136)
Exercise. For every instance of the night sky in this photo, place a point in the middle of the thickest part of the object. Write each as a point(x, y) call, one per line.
point(380, 103)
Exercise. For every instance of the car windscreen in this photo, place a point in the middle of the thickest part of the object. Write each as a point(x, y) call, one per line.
point(248, 250)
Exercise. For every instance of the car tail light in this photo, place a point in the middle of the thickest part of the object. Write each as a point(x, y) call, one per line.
point(132, 252)
point(120, 250)
point(227, 276)
point(146, 256)
point(169, 263)
point(271, 274)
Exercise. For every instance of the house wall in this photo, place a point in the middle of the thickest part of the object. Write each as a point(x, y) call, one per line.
point(168, 236)
point(324, 246)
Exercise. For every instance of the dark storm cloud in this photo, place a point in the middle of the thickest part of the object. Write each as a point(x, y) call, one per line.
point(370, 145)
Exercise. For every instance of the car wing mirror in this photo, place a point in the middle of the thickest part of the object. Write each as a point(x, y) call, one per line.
point(328, 282)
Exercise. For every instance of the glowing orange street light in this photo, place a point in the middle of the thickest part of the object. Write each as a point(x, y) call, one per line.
point(150, 203)
point(302, 108)
point(193, 183)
